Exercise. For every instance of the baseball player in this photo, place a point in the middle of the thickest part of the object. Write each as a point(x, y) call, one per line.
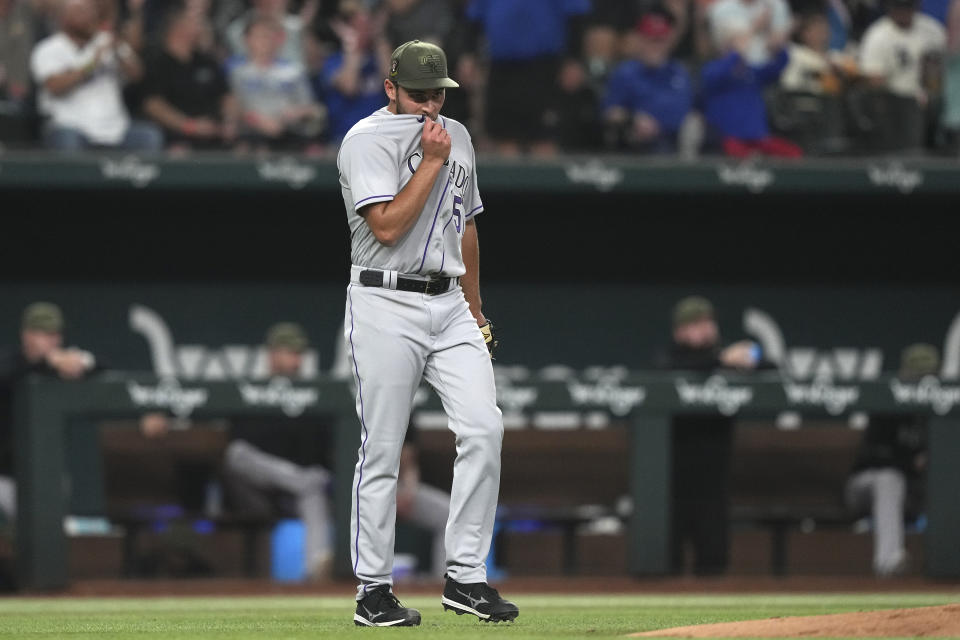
point(413, 312)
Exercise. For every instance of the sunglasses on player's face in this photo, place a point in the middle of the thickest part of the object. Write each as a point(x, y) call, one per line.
point(425, 95)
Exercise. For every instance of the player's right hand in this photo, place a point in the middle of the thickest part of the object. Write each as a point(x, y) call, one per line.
point(435, 141)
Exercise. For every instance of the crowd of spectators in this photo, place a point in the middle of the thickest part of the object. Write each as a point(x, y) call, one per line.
point(735, 77)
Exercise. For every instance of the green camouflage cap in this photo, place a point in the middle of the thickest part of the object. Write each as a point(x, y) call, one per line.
point(691, 309)
point(919, 360)
point(287, 335)
point(420, 65)
point(43, 316)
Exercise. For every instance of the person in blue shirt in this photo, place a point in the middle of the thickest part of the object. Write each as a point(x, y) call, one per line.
point(350, 83)
point(526, 42)
point(733, 101)
point(648, 97)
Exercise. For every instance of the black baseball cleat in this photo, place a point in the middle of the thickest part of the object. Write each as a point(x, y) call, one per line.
point(380, 608)
point(477, 598)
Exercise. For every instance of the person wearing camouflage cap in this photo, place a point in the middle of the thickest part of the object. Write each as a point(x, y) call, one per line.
point(39, 352)
point(413, 310)
point(275, 464)
point(702, 444)
point(886, 479)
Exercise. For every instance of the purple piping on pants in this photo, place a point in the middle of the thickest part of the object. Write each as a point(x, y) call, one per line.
point(386, 195)
point(443, 258)
point(363, 445)
point(436, 213)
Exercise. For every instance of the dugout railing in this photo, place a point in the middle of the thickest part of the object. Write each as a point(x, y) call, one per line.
point(46, 409)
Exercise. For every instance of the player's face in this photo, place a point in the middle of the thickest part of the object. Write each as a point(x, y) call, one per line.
point(420, 102)
point(37, 345)
point(699, 334)
point(285, 362)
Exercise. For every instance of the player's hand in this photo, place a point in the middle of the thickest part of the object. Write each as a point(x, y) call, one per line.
point(645, 127)
point(154, 425)
point(70, 364)
point(435, 141)
point(739, 355)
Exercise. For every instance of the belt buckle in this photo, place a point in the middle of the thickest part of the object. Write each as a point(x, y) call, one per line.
point(435, 286)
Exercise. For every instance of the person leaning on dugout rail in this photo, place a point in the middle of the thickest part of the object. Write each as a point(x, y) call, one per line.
point(702, 444)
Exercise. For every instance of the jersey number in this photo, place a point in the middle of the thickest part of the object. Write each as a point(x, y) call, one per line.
point(457, 214)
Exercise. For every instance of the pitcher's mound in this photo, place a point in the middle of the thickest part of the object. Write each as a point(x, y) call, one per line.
point(923, 621)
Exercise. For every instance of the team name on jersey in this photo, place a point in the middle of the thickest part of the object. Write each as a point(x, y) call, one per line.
point(458, 173)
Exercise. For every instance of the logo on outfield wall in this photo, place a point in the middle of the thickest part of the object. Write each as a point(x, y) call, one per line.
point(895, 175)
point(620, 400)
point(279, 392)
point(810, 363)
point(929, 392)
point(595, 173)
point(195, 361)
point(294, 174)
point(515, 398)
point(130, 169)
point(715, 392)
point(835, 399)
point(755, 179)
point(168, 394)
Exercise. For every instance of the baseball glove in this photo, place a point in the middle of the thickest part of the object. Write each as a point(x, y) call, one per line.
point(489, 337)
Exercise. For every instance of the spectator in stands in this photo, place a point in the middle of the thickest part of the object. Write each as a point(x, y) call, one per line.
point(901, 56)
point(80, 71)
point(702, 444)
point(16, 41)
point(601, 48)
point(441, 23)
point(649, 97)
point(886, 480)
point(733, 97)
point(277, 107)
point(186, 89)
point(351, 81)
point(813, 67)
point(768, 25)
point(693, 42)
point(526, 42)
point(574, 119)
point(951, 81)
point(295, 27)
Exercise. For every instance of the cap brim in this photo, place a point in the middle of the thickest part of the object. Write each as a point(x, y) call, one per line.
point(430, 83)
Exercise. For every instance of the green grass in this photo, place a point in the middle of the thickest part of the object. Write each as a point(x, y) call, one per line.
point(260, 618)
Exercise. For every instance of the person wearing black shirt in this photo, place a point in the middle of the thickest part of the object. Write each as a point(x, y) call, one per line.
point(186, 90)
point(702, 444)
point(40, 352)
point(886, 479)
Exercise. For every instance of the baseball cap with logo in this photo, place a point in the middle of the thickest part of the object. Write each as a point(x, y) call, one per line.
point(287, 335)
point(420, 65)
point(919, 360)
point(43, 316)
point(691, 309)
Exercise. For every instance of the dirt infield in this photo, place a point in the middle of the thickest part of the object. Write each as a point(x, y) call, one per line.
point(935, 622)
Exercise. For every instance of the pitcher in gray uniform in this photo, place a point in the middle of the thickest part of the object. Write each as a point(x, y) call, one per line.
point(413, 313)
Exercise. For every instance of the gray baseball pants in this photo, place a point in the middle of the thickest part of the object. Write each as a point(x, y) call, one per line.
point(396, 339)
point(881, 492)
point(308, 485)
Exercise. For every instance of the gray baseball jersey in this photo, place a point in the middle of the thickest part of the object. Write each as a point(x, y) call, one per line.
point(377, 158)
point(398, 338)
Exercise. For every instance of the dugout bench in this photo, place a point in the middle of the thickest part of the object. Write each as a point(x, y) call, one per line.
point(45, 409)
